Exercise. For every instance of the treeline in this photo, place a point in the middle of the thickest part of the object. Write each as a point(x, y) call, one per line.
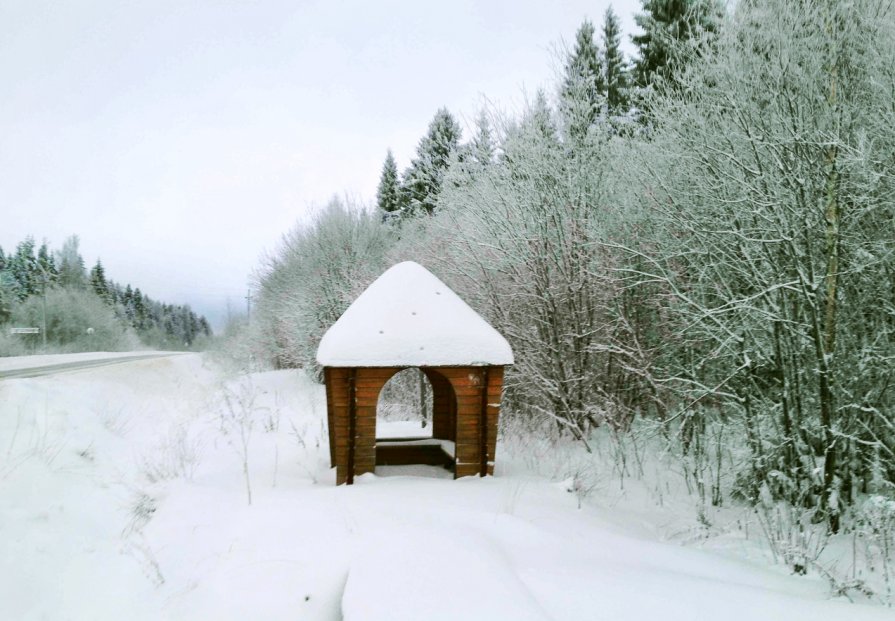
point(84, 310)
point(702, 237)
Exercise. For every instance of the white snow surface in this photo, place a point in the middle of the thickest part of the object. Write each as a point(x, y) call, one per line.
point(122, 498)
point(409, 318)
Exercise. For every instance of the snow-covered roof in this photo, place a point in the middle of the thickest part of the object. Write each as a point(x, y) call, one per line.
point(409, 318)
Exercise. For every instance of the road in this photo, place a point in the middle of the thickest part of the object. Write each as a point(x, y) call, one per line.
point(76, 366)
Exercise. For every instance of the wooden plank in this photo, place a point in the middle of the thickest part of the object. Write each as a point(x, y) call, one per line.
point(335, 373)
point(466, 470)
point(352, 421)
point(330, 407)
point(369, 393)
point(364, 372)
point(467, 452)
point(373, 382)
point(397, 455)
point(467, 435)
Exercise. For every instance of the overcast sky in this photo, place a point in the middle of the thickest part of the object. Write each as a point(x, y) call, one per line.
point(181, 139)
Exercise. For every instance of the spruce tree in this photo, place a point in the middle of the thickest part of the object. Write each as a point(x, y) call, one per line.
point(667, 24)
point(98, 280)
point(4, 294)
point(71, 264)
point(388, 194)
point(46, 265)
point(483, 147)
point(5, 311)
point(423, 179)
point(22, 269)
point(127, 300)
point(615, 67)
point(584, 86)
point(139, 310)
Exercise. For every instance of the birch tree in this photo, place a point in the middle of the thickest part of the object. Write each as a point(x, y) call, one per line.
point(771, 174)
point(523, 248)
point(308, 283)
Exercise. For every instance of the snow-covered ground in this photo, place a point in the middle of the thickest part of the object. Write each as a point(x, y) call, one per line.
point(122, 496)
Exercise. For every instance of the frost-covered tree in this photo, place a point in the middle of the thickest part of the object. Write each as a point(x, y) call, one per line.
point(583, 90)
point(614, 65)
point(5, 298)
point(127, 302)
point(388, 194)
point(422, 181)
point(519, 240)
point(310, 281)
point(70, 312)
point(778, 264)
point(71, 265)
point(46, 265)
point(670, 30)
point(23, 273)
point(139, 309)
point(483, 147)
point(98, 280)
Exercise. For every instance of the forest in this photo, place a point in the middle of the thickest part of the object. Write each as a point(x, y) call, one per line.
point(690, 252)
point(80, 310)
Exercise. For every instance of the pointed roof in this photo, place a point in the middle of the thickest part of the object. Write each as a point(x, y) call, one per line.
point(409, 318)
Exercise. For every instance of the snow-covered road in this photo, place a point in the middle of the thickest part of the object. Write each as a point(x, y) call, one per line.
point(121, 497)
point(36, 366)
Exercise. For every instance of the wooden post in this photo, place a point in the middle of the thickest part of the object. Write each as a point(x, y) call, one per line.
point(483, 426)
point(352, 423)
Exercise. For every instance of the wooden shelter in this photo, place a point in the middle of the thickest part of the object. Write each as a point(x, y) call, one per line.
point(408, 318)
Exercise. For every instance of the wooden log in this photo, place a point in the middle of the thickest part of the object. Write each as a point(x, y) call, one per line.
point(352, 421)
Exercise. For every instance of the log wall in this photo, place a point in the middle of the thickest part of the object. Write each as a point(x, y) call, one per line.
point(466, 407)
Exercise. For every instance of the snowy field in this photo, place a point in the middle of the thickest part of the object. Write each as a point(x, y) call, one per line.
point(123, 496)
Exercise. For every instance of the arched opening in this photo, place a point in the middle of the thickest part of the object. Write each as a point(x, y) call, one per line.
point(404, 408)
point(415, 422)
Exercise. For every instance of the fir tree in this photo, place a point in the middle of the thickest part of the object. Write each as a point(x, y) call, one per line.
point(541, 118)
point(139, 310)
point(666, 25)
point(388, 194)
point(483, 147)
point(616, 70)
point(422, 181)
point(98, 280)
point(71, 265)
point(5, 311)
point(46, 265)
point(584, 86)
point(23, 271)
point(127, 300)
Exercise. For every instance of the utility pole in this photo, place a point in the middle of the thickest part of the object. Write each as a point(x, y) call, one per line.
point(248, 306)
point(46, 279)
point(44, 331)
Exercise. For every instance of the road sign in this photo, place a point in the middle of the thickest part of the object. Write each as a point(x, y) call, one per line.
point(24, 330)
